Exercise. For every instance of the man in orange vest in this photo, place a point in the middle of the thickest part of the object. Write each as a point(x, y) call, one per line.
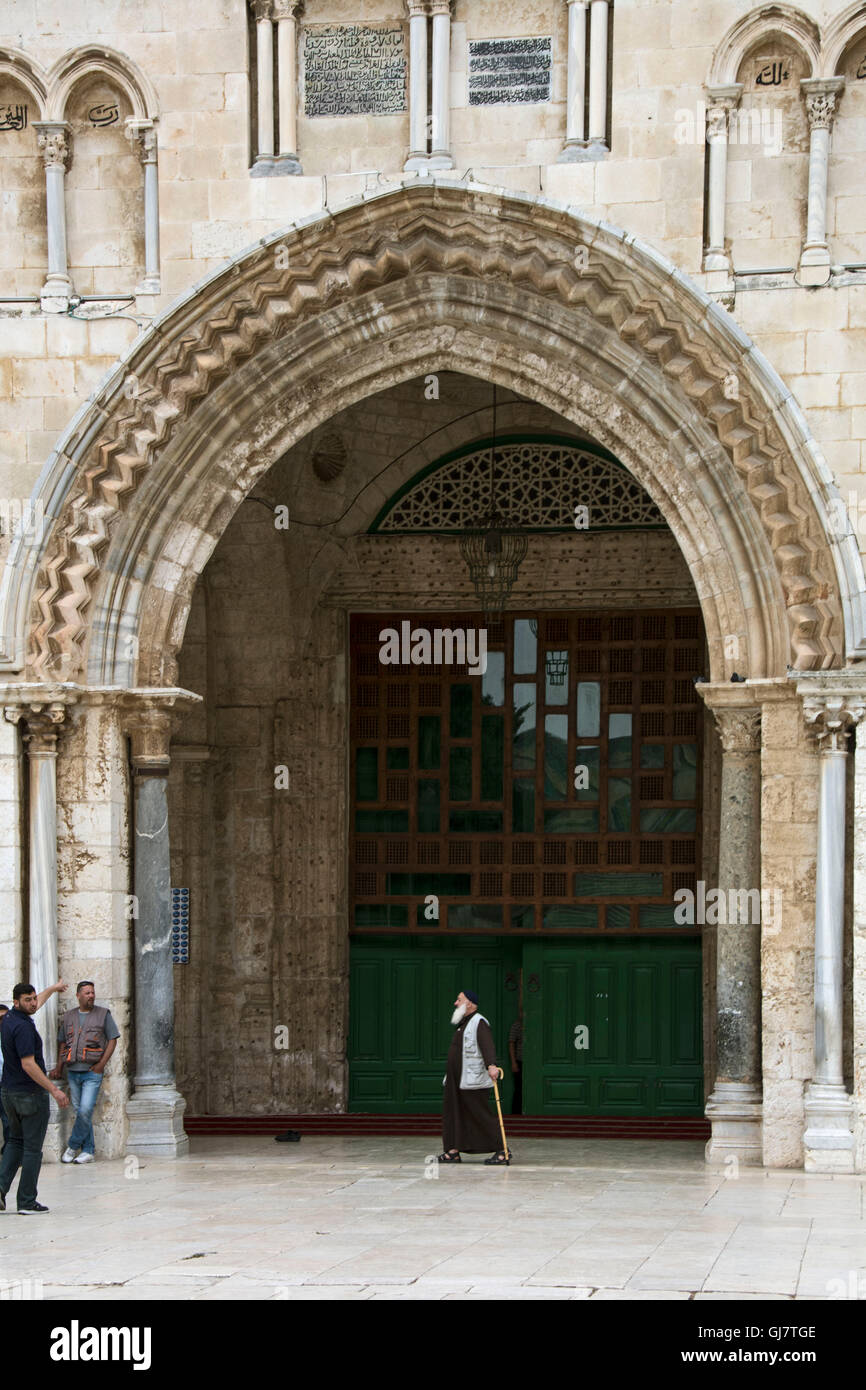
point(87, 1036)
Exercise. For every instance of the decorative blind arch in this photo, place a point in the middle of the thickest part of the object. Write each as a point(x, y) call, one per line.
point(537, 485)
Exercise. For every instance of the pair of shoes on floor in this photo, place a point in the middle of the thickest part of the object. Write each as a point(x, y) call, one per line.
point(68, 1155)
point(450, 1157)
point(35, 1210)
point(85, 1158)
point(501, 1159)
point(291, 1136)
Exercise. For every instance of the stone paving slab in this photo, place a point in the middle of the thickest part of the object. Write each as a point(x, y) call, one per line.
point(362, 1219)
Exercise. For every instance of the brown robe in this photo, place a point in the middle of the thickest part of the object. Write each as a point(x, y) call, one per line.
point(469, 1121)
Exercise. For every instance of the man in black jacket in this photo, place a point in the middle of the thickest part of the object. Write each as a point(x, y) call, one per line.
point(25, 1096)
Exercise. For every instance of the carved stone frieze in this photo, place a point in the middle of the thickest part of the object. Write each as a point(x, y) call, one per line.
point(423, 231)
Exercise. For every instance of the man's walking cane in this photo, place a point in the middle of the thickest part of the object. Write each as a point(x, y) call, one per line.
point(505, 1148)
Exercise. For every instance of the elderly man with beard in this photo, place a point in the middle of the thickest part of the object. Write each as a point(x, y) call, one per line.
point(468, 1123)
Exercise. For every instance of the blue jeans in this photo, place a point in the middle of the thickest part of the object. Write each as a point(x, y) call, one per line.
point(84, 1093)
point(27, 1112)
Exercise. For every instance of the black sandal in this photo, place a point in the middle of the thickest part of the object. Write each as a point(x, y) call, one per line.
point(452, 1157)
point(498, 1159)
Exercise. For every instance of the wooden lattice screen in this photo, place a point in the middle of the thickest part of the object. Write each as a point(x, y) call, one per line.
point(558, 792)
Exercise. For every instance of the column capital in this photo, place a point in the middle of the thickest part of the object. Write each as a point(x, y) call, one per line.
point(441, 7)
point(416, 9)
point(288, 9)
point(834, 702)
point(262, 9)
point(819, 94)
point(721, 101)
point(143, 134)
point(739, 729)
point(150, 733)
point(40, 724)
point(55, 143)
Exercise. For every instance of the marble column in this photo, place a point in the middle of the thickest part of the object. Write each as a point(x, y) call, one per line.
point(40, 725)
point(287, 13)
point(54, 138)
point(575, 124)
point(721, 101)
point(418, 154)
point(440, 155)
point(143, 134)
point(831, 708)
point(820, 97)
point(11, 855)
point(735, 1105)
point(598, 24)
point(156, 1109)
point(264, 13)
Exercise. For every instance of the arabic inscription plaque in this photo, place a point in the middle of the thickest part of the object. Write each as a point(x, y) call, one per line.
point(509, 71)
point(354, 70)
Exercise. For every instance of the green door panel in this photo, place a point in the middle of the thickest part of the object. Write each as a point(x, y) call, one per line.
point(402, 992)
point(641, 1004)
point(640, 1001)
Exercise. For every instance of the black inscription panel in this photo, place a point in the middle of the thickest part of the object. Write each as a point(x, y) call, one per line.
point(505, 71)
point(352, 70)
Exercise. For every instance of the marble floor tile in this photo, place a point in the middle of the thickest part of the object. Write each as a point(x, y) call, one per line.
point(357, 1219)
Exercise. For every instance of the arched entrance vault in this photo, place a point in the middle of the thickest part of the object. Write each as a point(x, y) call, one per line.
point(569, 313)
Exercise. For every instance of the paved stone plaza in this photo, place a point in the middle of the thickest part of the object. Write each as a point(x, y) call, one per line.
point(360, 1219)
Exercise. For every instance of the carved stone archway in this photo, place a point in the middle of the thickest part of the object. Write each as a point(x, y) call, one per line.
point(568, 312)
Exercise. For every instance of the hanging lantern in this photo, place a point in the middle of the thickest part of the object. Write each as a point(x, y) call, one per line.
point(493, 554)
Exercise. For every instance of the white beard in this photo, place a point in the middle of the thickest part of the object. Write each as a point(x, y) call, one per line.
point(459, 1013)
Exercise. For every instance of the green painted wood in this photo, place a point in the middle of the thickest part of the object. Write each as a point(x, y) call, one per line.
point(641, 1003)
point(402, 992)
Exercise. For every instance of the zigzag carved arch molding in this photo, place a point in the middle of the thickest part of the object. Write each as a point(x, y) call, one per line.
point(487, 283)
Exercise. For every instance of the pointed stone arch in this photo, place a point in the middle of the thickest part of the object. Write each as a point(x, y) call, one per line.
point(424, 277)
point(82, 62)
point(785, 20)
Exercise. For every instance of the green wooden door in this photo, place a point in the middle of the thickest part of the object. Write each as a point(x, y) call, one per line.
point(640, 1004)
point(402, 992)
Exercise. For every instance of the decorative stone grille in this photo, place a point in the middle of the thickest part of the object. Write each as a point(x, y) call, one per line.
point(537, 485)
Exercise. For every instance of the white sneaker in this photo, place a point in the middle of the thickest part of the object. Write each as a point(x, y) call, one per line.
point(68, 1155)
point(84, 1158)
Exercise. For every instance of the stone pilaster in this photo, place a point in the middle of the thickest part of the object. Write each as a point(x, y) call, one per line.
point(11, 859)
point(418, 157)
point(55, 145)
point(155, 1111)
point(820, 96)
point(440, 142)
point(287, 13)
point(833, 704)
point(263, 11)
point(143, 135)
point(40, 724)
point(721, 101)
point(599, 19)
point(575, 123)
point(735, 1105)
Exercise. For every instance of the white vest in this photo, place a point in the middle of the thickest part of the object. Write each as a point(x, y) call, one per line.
point(475, 1076)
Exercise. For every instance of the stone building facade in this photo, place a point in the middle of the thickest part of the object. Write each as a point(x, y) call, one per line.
point(268, 273)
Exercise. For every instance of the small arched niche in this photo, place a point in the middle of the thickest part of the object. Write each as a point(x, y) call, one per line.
point(104, 195)
point(845, 225)
point(768, 156)
point(23, 235)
